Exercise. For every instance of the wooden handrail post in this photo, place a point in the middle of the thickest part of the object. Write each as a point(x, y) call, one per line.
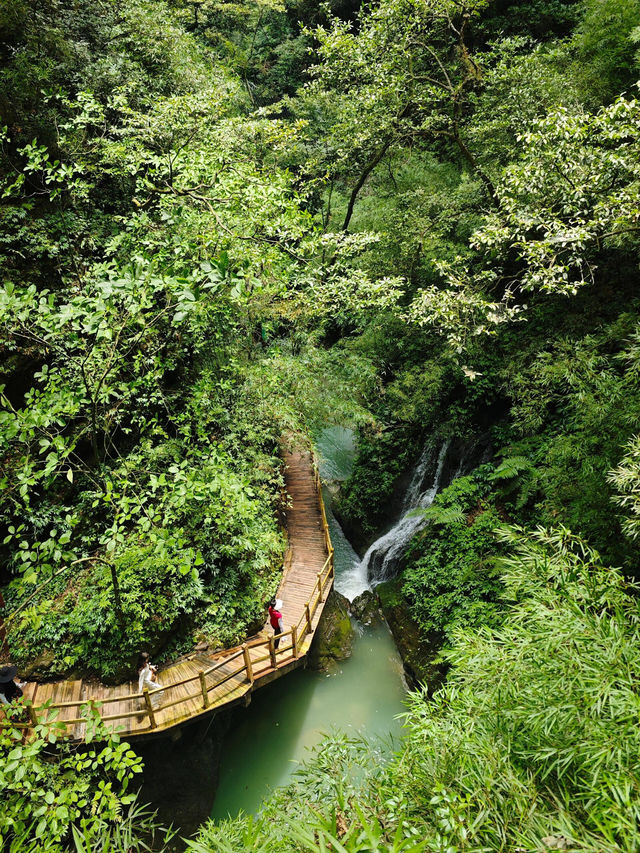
point(320, 585)
point(33, 715)
point(294, 640)
point(247, 663)
point(203, 685)
point(308, 614)
point(272, 651)
point(150, 712)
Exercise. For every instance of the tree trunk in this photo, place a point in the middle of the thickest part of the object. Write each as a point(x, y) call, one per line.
point(471, 160)
point(118, 600)
point(363, 177)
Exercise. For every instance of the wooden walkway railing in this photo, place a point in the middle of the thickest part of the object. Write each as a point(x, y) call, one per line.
point(207, 683)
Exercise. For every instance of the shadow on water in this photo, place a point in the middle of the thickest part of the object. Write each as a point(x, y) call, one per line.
point(181, 773)
point(258, 751)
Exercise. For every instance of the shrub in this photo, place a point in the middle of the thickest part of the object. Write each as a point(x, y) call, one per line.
point(450, 577)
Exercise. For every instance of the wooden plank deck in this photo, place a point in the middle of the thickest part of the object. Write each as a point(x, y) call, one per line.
point(206, 683)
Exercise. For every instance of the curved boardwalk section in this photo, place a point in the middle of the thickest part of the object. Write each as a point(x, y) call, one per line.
point(205, 683)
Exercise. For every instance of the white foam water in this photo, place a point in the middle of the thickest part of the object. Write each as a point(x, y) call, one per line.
point(379, 562)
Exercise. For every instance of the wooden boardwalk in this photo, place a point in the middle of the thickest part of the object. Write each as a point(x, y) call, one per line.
point(206, 683)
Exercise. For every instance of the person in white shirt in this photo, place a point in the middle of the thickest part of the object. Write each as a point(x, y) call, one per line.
point(147, 676)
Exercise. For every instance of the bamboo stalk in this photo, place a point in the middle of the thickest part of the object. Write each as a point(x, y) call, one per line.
point(221, 663)
point(13, 725)
point(229, 675)
point(315, 601)
point(80, 702)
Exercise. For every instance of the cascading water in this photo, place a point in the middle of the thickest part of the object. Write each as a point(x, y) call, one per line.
point(382, 557)
point(412, 497)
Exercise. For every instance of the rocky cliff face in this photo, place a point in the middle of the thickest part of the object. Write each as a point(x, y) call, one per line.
point(462, 456)
point(418, 653)
point(193, 754)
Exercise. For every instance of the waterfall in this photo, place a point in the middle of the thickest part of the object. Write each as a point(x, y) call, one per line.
point(348, 580)
point(382, 557)
point(412, 497)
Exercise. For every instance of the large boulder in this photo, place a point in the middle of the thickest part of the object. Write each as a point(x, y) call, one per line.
point(366, 608)
point(333, 637)
point(42, 667)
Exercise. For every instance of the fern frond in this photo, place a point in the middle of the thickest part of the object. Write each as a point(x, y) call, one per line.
point(511, 467)
point(444, 514)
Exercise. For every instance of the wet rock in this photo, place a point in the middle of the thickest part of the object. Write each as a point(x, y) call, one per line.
point(366, 608)
point(418, 652)
point(332, 640)
point(353, 531)
point(41, 667)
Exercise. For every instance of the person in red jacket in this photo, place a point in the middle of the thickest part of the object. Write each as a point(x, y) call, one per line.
point(275, 618)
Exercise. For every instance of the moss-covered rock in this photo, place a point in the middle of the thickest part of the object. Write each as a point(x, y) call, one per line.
point(332, 640)
point(41, 668)
point(418, 652)
point(366, 608)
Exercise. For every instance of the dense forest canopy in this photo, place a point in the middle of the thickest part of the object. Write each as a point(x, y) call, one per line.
point(224, 223)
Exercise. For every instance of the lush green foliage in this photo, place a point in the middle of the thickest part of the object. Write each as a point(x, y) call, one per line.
point(320, 810)
point(369, 490)
point(129, 426)
point(625, 477)
point(531, 744)
point(450, 578)
point(58, 797)
point(606, 41)
point(533, 736)
point(566, 200)
point(223, 222)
